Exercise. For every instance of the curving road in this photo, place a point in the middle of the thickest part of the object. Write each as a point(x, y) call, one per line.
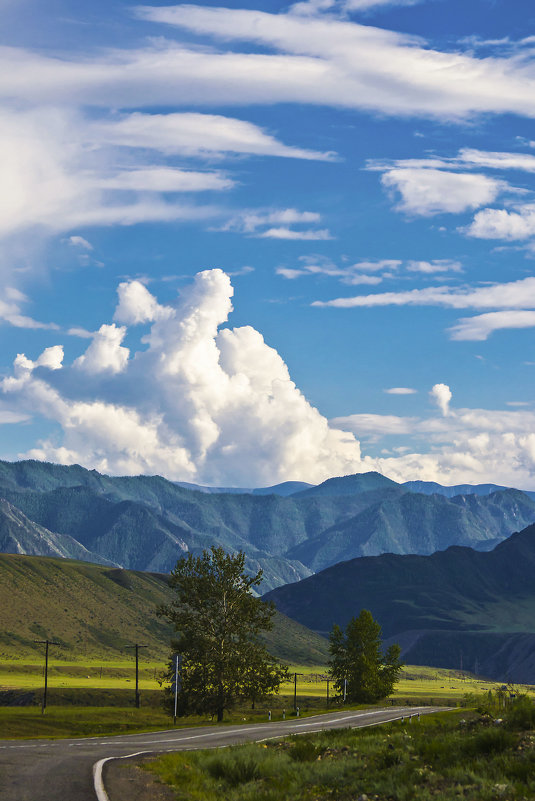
point(62, 770)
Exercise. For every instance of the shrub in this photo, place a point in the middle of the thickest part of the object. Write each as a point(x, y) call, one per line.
point(234, 768)
point(492, 741)
point(521, 713)
point(304, 750)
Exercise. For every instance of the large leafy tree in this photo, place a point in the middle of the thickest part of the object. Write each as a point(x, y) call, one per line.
point(218, 621)
point(358, 659)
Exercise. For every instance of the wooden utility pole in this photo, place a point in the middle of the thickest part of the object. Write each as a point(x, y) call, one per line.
point(137, 647)
point(46, 643)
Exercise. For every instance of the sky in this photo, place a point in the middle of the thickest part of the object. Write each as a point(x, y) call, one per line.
point(262, 242)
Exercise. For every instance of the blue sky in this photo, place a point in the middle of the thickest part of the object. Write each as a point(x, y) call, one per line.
point(253, 243)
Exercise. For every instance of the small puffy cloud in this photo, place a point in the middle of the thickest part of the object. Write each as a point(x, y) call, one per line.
point(482, 326)
point(426, 192)
point(503, 224)
point(137, 305)
point(51, 358)
point(441, 395)
point(400, 391)
point(80, 242)
point(105, 354)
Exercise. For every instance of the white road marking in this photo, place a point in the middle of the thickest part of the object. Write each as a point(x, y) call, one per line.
point(102, 795)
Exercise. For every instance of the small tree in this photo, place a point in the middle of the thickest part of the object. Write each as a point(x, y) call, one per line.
point(218, 621)
point(357, 658)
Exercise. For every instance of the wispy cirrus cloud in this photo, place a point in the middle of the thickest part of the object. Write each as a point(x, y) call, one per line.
point(481, 326)
point(316, 60)
point(278, 224)
point(514, 295)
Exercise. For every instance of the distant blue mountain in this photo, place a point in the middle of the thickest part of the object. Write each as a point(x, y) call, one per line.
point(147, 522)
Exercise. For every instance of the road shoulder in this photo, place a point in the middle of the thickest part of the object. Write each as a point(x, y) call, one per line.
point(126, 779)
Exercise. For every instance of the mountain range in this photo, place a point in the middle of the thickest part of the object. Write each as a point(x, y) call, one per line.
point(453, 608)
point(289, 531)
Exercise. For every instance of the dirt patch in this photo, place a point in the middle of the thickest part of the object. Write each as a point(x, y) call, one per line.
point(125, 780)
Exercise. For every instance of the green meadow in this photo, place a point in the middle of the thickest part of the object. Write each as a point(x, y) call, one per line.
point(97, 697)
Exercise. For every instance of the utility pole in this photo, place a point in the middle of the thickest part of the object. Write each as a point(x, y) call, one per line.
point(46, 643)
point(137, 647)
point(328, 680)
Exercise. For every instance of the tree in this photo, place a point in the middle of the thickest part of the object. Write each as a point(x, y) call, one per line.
point(357, 658)
point(218, 622)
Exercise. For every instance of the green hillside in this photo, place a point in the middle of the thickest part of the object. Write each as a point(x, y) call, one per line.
point(95, 611)
point(451, 606)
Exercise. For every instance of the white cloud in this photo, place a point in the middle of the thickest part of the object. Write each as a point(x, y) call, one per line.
point(11, 312)
point(80, 242)
point(322, 265)
point(503, 224)
point(289, 233)
point(194, 134)
point(105, 354)
point(400, 391)
point(482, 326)
point(341, 63)
point(166, 179)
point(466, 446)
point(441, 395)
point(56, 177)
point(137, 305)
point(514, 295)
point(429, 191)
point(199, 403)
point(51, 358)
point(435, 266)
point(275, 224)
point(322, 61)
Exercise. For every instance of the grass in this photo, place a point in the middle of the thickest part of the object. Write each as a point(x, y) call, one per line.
point(101, 693)
point(447, 756)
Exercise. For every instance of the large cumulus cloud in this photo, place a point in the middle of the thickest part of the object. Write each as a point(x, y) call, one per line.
point(198, 402)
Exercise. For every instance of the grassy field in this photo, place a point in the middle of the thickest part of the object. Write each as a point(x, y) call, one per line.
point(447, 756)
point(98, 697)
point(416, 683)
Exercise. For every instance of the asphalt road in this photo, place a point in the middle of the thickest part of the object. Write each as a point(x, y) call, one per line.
point(62, 770)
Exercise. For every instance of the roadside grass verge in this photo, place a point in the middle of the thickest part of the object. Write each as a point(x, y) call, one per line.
point(448, 756)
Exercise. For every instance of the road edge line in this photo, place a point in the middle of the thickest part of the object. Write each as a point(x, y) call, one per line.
point(98, 782)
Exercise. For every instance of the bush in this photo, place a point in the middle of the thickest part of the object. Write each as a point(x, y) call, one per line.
point(234, 768)
point(521, 713)
point(492, 741)
point(304, 750)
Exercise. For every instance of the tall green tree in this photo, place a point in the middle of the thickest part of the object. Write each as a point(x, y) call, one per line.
point(358, 659)
point(218, 622)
